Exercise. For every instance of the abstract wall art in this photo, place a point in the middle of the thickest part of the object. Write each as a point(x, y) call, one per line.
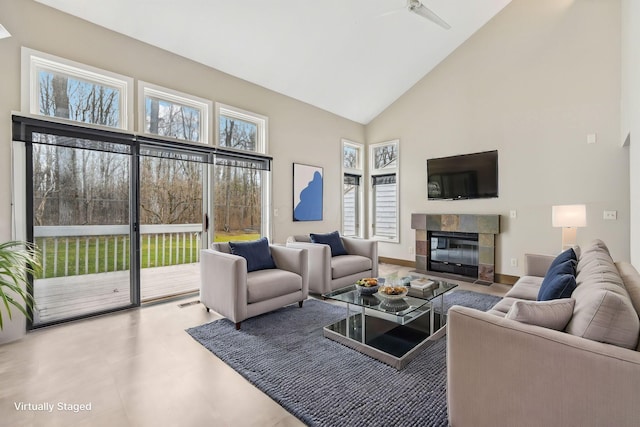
point(307, 192)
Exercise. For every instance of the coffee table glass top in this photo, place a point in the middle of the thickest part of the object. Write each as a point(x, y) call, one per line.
point(415, 299)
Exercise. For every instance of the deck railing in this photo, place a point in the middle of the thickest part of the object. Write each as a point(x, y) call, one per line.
point(87, 249)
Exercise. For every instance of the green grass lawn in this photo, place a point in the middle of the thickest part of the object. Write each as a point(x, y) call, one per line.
point(99, 254)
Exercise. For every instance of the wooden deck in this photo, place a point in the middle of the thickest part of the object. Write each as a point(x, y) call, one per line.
point(71, 296)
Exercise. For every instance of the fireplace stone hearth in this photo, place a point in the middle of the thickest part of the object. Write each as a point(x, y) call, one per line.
point(485, 226)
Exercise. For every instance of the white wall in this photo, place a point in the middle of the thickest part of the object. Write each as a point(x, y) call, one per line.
point(630, 95)
point(298, 132)
point(532, 83)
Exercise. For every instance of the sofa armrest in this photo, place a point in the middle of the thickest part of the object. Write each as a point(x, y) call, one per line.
point(223, 283)
point(503, 372)
point(319, 260)
point(295, 261)
point(365, 248)
point(536, 264)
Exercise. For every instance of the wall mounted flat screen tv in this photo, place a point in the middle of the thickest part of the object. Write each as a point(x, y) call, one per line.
point(467, 176)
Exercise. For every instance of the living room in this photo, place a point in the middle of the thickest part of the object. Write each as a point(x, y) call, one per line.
point(534, 84)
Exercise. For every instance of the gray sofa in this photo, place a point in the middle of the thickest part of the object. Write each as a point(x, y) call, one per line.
point(327, 273)
point(505, 372)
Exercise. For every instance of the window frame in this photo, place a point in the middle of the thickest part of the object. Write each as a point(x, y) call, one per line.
point(34, 61)
point(373, 172)
point(205, 107)
point(262, 123)
point(358, 171)
point(262, 146)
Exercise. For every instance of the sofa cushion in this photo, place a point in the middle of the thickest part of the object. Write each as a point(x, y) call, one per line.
point(554, 314)
point(264, 285)
point(527, 288)
point(603, 311)
point(256, 252)
point(332, 239)
point(559, 282)
point(346, 265)
point(605, 316)
point(632, 285)
point(503, 306)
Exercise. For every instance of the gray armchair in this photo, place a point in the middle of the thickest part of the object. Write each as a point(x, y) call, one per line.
point(327, 273)
point(228, 289)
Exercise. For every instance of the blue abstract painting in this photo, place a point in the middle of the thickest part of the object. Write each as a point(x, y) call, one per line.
point(307, 192)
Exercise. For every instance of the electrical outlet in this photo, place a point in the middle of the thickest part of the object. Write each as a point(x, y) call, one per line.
point(514, 262)
point(610, 215)
point(411, 250)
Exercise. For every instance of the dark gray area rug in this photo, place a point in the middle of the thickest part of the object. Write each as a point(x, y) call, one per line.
point(324, 383)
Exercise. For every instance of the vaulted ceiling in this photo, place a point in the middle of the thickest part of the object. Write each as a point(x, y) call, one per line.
point(350, 57)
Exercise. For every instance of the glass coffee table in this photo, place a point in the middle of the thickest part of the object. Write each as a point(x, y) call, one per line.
point(393, 332)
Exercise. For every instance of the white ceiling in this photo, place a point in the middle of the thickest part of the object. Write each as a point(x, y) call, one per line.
point(350, 57)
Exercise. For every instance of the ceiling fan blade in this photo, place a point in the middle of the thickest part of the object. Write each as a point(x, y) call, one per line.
point(391, 12)
point(418, 8)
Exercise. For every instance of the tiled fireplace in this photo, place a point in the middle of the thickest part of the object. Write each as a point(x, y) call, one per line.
point(458, 244)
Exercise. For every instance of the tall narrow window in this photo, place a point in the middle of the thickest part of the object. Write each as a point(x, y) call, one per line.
point(60, 88)
point(241, 190)
point(166, 112)
point(352, 200)
point(384, 190)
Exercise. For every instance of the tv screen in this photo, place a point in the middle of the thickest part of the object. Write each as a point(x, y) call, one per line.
point(467, 176)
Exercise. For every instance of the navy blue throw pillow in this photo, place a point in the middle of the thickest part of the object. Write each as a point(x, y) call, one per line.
point(561, 286)
point(256, 252)
point(563, 257)
point(556, 284)
point(331, 239)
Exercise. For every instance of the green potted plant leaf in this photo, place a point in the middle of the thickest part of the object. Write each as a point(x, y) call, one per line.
point(18, 260)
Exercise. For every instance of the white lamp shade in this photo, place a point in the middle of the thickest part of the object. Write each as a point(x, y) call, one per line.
point(569, 216)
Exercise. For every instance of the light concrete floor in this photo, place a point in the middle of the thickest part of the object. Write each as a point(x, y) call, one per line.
point(136, 368)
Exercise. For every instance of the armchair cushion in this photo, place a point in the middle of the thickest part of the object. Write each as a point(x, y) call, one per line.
point(346, 265)
point(256, 253)
point(331, 239)
point(268, 284)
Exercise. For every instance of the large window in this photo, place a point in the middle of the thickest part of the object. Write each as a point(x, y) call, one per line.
point(384, 213)
point(352, 199)
point(241, 196)
point(165, 112)
point(57, 87)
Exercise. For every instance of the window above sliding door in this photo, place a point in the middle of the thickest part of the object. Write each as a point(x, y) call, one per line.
point(166, 112)
point(57, 87)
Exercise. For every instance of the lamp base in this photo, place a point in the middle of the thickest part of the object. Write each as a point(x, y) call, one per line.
point(568, 237)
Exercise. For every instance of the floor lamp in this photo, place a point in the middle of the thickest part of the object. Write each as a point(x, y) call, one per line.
point(569, 217)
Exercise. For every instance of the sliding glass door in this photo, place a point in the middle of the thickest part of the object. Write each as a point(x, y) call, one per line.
point(120, 219)
point(81, 215)
point(173, 219)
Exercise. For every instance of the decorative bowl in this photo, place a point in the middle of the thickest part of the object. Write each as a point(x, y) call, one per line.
point(367, 286)
point(392, 292)
point(367, 290)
